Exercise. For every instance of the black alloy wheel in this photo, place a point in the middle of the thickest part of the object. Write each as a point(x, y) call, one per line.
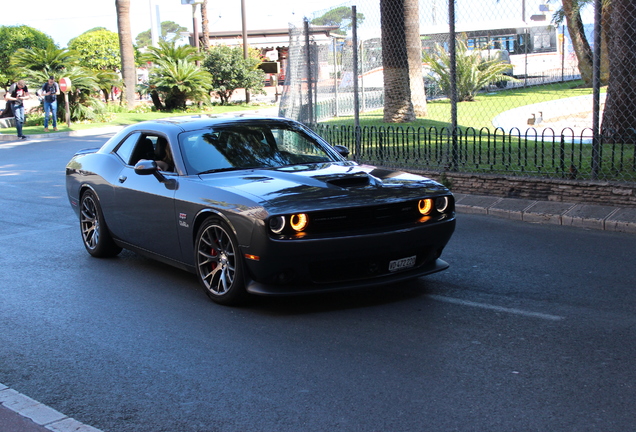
point(218, 264)
point(95, 234)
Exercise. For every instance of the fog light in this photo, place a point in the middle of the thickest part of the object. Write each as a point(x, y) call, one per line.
point(298, 221)
point(425, 206)
point(277, 224)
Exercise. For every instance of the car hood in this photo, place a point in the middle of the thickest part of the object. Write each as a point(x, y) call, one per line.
point(324, 186)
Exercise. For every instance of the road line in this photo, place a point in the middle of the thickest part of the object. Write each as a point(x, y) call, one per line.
point(496, 308)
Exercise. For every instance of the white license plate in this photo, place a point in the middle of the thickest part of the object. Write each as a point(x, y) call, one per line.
point(402, 264)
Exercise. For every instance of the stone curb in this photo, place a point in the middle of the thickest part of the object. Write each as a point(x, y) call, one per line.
point(39, 413)
point(588, 216)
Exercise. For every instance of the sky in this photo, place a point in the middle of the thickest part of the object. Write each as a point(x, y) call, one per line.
point(66, 19)
point(63, 20)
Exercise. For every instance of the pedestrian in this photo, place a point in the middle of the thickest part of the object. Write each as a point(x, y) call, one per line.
point(50, 90)
point(17, 94)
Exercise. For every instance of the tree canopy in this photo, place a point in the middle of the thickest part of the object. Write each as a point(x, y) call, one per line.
point(340, 16)
point(97, 50)
point(14, 38)
point(170, 32)
point(230, 70)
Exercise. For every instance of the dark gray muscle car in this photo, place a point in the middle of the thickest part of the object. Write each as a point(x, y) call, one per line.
point(257, 205)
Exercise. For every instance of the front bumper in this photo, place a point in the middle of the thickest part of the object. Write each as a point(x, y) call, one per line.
point(330, 264)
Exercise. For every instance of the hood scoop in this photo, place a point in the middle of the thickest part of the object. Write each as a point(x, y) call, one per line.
point(349, 181)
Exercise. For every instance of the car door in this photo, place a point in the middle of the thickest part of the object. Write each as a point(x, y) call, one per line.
point(145, 206)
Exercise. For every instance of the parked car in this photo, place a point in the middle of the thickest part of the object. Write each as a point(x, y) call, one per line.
point(256, 205)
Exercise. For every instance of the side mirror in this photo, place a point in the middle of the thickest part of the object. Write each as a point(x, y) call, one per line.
point(146, 167)
point(344, 151)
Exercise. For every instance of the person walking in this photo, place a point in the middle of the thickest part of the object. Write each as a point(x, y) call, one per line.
point(17, 94)
point(50, 91)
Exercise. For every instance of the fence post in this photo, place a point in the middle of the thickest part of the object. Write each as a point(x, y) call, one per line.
point(356, 100)
point(335, 74)
point(310, 96)
point(596, 86)
point(453, 84)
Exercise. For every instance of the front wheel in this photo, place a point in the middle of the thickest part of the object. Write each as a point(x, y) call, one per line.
point(95, 235)
point(219, 266)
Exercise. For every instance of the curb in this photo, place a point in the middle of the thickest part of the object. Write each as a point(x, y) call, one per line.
point(42, 415)
point(588, 216)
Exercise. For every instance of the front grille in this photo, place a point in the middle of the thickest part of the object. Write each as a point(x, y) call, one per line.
point(364, 217)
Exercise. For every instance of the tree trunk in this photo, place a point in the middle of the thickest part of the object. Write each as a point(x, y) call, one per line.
point(579, 41)
point(204, 26)
point(619, 118)
point(128, 70)
point(606, 28)
point(398, 107)
point(414, 53)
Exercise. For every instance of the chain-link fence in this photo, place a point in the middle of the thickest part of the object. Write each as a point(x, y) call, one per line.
point(503, 88)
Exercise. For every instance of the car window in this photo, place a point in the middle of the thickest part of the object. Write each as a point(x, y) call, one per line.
point(125, 149)
point(140, 146)
point(242, 147)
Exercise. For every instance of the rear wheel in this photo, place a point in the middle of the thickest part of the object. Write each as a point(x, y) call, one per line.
point(218, 264)
point(95, 235)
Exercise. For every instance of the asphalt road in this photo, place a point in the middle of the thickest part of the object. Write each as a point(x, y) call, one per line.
point(531, 329)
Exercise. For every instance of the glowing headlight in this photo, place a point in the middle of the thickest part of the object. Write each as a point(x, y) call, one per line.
point(277, 224)
point(441, 204)
point(298, 221)
point(425, 206)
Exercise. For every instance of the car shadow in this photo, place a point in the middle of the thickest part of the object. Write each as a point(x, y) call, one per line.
point(335, 301)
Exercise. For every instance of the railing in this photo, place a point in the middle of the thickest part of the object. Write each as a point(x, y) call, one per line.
point(549, 154)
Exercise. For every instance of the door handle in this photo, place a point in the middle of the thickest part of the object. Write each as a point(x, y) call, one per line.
point(122, 179)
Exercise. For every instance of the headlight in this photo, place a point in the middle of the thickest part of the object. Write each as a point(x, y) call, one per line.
point(425, 206)
point(298, 221)
point(441, 204)
point(277, 224)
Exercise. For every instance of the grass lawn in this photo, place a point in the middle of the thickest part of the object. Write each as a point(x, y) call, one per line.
point(481, 112)
point(122, 119)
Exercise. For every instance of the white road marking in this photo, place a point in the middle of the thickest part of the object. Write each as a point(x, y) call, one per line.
point(496, 308)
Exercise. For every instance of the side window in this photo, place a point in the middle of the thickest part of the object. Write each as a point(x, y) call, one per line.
point(125, 149)
point(295, 143)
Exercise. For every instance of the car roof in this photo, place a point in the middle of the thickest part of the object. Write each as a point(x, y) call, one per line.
point(202, 121)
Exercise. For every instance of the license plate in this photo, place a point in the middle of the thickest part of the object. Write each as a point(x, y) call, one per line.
point(402, 264)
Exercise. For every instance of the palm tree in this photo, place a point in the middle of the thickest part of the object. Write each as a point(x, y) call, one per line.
point(414, 56)
point(204, 26)
point(571, 12)
point(472, 71)
point(128, 70)
point(43, 62)
point(178, 81)
point(169, 50)
point(398, 107)
point(619, 116)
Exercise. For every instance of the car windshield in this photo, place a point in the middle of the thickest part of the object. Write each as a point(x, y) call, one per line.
point(226, 148)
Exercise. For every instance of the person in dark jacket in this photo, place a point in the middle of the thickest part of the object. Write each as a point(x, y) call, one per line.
point(17, 94)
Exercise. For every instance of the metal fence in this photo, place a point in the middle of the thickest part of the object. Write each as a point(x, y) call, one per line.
point(540, 118)
point(549, 154)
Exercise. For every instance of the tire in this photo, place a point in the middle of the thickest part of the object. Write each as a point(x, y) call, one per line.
point(95, 235)
point(219, 266)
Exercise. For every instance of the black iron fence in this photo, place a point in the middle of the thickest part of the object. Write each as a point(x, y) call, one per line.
point(549, 154)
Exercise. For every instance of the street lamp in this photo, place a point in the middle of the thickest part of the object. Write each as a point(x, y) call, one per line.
point(195, 25)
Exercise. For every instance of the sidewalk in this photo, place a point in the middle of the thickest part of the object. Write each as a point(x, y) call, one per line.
point(20, 413)
point(588, 216)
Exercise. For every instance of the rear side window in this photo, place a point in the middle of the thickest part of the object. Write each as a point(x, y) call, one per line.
point(125, 149)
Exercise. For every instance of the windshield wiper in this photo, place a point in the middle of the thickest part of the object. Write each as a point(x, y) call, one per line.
point(216, 170)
